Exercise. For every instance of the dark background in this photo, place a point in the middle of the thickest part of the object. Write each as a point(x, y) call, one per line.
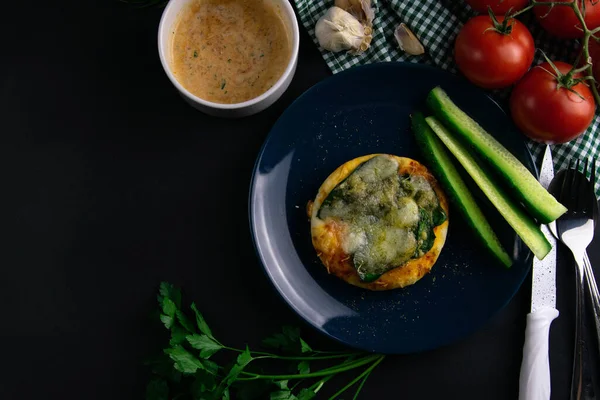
point(109, 186)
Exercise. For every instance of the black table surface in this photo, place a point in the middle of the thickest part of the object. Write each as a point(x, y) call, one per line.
point(108, 184)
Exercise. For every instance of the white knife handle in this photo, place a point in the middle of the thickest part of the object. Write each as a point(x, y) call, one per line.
point(534, 382)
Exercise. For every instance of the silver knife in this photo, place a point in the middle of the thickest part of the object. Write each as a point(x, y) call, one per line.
point(534, 381)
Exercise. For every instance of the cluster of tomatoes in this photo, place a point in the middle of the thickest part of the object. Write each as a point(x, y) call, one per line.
point(551, 102)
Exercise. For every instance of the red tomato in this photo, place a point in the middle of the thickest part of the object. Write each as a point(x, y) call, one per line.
point(548, 113)
point(491, 59)
point(499, 7)
point(562, 22)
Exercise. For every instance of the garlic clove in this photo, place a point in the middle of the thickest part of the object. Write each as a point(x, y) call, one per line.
point(368, 11)
point(407, 40)
point(360, 9)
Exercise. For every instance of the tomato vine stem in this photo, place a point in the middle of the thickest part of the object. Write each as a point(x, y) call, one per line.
point(587, 34)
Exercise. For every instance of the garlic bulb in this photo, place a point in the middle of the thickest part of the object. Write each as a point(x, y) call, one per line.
point(407, 41)
point(338, 30)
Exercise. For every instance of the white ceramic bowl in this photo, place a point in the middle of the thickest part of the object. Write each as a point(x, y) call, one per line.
point(257, 104)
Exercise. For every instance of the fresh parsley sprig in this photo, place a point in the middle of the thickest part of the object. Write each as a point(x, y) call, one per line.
point(186, 371)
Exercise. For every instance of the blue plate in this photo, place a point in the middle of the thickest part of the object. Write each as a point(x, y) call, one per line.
point(361, 111)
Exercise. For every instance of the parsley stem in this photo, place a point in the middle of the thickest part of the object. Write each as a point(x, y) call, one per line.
point(324, 372)
point(365, 373)
point(296, 384)
point(310, 358)
point(319, 384)
point(360, 386)
point(337, 352)
point(332, 355)
point(351, 363)
point(343, 364)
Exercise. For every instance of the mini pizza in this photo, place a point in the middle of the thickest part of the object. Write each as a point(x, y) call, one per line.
point(379, 222)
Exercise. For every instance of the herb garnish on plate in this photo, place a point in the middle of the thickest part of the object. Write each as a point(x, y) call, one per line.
point(185, 370)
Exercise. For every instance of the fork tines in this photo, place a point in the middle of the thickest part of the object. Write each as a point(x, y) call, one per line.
point(575, 184)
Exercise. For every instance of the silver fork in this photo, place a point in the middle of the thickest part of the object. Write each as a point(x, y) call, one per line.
point(576, 230)
point(593, 292)
point(589, 272)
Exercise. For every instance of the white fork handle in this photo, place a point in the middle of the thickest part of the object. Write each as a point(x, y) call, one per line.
point(534, 382)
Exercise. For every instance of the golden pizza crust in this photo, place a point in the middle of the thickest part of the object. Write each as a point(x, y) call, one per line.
point(327, 236)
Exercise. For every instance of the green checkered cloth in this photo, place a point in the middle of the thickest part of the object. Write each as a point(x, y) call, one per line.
point(436, 23)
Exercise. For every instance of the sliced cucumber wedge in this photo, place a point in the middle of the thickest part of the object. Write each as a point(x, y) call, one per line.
point(541, 204)
point(517, 218)
point(440, 163)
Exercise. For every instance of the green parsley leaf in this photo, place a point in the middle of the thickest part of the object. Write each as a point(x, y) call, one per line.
point(202, 325)
point(185, 361)
point(193, 375)
point(205, 344)
point(168, 291)
point(210, 366)
point(304, 367)
point(167, 321)
point(306, 394)
point(168, 307)
point(195, 53)
point(233, 374)
point(242, 360)
point(167, 300)
point(184, 321)
point(157, 389)
point(283, 385)
point(288, 341)
point(245, 357)
point(223, 83)
point(204, 382)
point(305, 347)
point(178, 335)
point(282, 395)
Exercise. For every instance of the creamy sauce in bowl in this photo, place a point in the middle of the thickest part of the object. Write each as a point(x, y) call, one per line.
point(230, 51)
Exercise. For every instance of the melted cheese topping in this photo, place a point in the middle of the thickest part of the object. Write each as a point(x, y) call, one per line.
point(387, 219)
